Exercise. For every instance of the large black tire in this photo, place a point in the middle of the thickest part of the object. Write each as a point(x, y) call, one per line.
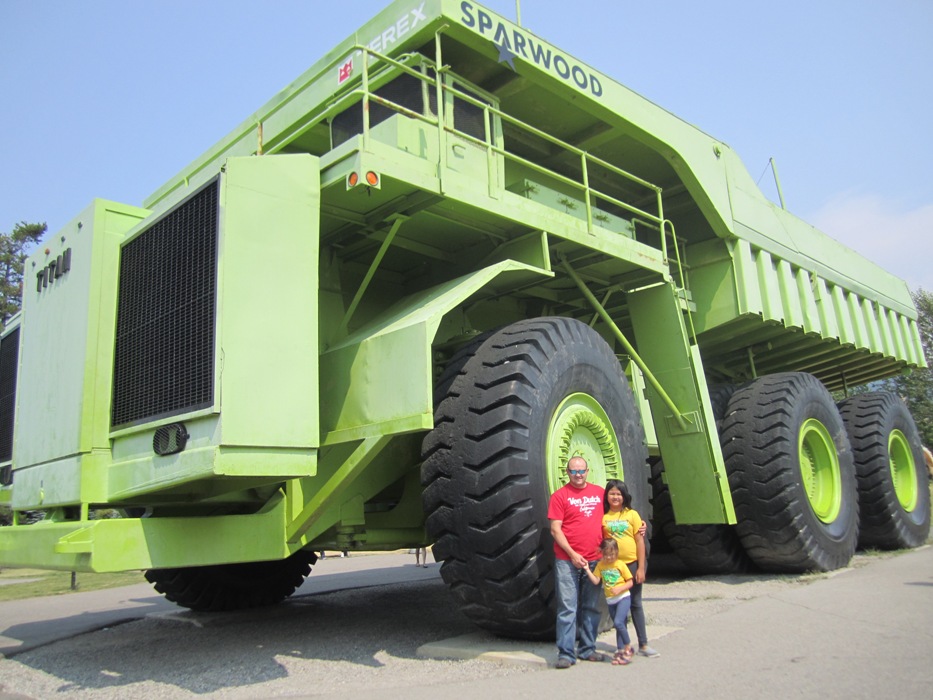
point(893, 486)
point(228, 587)
point(791, 474)
point(703, 549)
point(659, 543)
point(515, 406)
point(719, 395)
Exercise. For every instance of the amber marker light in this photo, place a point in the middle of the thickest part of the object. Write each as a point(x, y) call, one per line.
point(352, 179)
point(372, 179)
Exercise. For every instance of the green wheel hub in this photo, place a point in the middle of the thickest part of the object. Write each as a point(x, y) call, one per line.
point(903, 470)
point(580, 427)
point(819, 469)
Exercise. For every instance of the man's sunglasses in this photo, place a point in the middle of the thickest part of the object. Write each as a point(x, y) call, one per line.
point(576, 472)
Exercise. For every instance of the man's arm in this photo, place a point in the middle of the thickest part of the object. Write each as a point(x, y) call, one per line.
point(560, 539)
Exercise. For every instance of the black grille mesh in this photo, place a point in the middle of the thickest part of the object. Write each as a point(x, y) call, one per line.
point(468, 118)
point(405, 91)
point(163, 360)
point(9, 354)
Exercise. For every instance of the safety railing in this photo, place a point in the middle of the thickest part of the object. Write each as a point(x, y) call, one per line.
point(384, 68)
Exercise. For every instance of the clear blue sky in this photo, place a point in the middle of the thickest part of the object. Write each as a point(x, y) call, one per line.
point(110, 98)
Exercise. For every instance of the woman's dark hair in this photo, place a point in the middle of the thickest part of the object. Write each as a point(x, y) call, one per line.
point(623, 489)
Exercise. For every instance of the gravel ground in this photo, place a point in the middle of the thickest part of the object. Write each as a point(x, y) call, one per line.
point(349, 641)
point(339, 644)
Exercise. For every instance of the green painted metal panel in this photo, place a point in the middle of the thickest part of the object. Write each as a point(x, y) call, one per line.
point(858, 321)
point(826, 309)
point(62, 414)
point(771, 306)
point(808, 301)
point(263, 424)
point(907, 339)
point(716, 180)
point(893, 331)
point(531, 249)
point(334, 479)
point(473, 191)
point(887, 342)
point(748, 293)
point(843, 318)
point(801, 299)
point(693, 459)
point(268, 325)
point(379, 385)
point(764, 225)
point(638, 384)
point(379, 380)
point(146, 543)
point(793, 309)
point(871, 324)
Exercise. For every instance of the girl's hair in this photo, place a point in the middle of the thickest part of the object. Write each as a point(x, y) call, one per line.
point(623, 489)
point(609, 545)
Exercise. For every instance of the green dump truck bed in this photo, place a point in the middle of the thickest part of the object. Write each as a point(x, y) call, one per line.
point(853, 322)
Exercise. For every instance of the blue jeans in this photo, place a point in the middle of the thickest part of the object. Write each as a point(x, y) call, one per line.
point(638, 610)
point(577, 610)
point(618, 612)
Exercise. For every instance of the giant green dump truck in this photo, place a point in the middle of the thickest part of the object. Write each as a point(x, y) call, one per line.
point(386, 309)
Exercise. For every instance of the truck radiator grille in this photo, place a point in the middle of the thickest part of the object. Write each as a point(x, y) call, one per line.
point(164, 354)
point(9, 355)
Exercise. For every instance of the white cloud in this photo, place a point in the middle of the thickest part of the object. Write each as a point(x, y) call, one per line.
point(896, 237)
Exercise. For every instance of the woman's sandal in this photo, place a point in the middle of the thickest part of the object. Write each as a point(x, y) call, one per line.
point(629, 653)
point(620, 659)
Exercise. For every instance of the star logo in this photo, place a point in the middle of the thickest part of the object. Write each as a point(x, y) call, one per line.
point(505, 54)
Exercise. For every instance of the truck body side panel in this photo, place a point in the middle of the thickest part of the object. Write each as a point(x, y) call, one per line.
point(66, 351)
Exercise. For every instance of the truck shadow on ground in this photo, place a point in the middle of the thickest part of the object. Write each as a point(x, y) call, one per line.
point(356, 636)
point(362, 630)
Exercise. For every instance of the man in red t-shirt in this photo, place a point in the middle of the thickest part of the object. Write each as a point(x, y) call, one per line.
point(575, 512)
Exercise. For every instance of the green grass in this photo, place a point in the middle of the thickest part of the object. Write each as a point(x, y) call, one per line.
point(45, 583)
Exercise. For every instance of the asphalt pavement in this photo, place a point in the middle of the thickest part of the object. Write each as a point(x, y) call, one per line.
point(28, 624)
point(865, 632)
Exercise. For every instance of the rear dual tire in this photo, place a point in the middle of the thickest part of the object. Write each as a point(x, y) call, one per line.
point(703, 549)
point(893, 486)
point(791, 473)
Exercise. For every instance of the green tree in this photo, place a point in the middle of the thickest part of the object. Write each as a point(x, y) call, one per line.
point(15, 247)
point(917, 387)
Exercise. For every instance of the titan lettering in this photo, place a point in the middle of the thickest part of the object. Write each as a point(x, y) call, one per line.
point(55, 269)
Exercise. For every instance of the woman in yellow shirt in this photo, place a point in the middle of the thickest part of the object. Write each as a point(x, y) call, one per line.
point(624, 525)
